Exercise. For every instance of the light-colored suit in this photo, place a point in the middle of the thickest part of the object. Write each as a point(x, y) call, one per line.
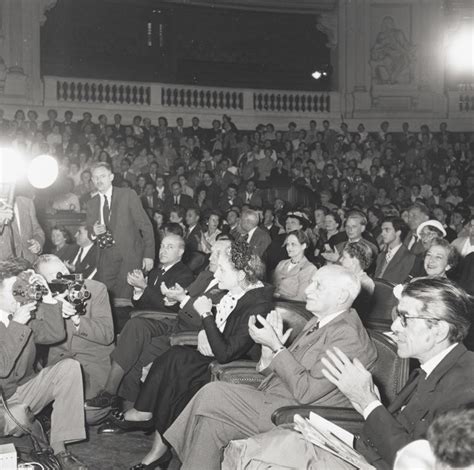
point(29, 229)
point(291, 283)
point(92, 343)
point(220, 412)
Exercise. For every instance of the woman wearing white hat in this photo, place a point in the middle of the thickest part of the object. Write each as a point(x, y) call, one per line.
point(428, 231)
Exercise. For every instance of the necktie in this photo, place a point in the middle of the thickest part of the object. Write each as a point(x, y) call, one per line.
point(81, 253)
point(159, 276)
point(176, 200)
point(413, 240)
point(413, 387)
point(106, 210)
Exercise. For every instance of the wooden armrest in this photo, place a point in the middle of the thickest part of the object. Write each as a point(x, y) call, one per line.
point(346, 418)
point(184, 338)
point(153, 314)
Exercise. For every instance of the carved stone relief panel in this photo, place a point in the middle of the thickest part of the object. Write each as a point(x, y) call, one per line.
point(392, 55)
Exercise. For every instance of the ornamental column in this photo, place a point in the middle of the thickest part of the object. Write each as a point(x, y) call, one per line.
point(20, 23)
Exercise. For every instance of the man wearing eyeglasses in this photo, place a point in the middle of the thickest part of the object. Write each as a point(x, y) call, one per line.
point(433, 318)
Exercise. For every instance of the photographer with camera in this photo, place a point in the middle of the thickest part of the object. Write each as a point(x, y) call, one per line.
point(89, 326)
point(23, 324)
point(20, 232)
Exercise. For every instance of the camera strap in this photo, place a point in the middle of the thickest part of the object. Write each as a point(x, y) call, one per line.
point(41, 451)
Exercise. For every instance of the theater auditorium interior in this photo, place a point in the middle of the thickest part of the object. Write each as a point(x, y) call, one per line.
point(260, 212)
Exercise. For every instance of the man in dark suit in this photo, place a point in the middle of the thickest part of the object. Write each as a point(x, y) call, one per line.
point(269, 223)
point(220, 411)
point(258, 238)
point(434, 316)
point(118, 130)
point(150, 200)
point(177, 198)
point(230, 200)
point(251, 196)
point(52, 121)
point(195, 130)
point(126, 174)
point(417, 214)
point(224, 177)
point(85, 262)
point(146, 337)
point(395, 262)
point(147, 293)
point(120, 211)
point(178, 133)
point(21, 235)
point(193, 234)
point(279, 175)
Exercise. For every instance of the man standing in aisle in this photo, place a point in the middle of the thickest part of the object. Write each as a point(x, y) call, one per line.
point(119, 211)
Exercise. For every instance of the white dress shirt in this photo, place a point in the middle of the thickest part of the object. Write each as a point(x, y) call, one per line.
point(108, 193)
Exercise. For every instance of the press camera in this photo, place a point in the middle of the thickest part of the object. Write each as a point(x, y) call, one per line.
point(76, 291)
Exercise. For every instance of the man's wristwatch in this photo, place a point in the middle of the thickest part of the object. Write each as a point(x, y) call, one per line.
point(206, 314)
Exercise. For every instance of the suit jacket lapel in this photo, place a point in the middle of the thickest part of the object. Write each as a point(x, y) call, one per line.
point(113, 208)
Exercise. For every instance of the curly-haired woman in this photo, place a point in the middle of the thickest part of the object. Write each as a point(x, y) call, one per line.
point(179, 373)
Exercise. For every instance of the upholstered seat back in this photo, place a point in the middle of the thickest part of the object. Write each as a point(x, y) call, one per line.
point(390, 371)
point(379, 313)
point(294, 316)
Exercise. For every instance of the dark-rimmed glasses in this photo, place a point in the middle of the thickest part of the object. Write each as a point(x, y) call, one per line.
point(403, 317)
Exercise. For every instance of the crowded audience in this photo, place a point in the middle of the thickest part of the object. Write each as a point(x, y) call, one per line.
point(169, 228)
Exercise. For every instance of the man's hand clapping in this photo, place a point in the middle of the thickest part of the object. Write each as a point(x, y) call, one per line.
point(175, 293)
point(271, 333)
point(351, 378)
point(136, 279)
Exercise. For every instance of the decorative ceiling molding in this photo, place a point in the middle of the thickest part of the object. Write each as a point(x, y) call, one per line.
point(287, 6)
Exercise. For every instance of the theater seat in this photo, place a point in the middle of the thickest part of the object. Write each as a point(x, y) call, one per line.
point(294, 316)
point(390, 374)
point(378, 315)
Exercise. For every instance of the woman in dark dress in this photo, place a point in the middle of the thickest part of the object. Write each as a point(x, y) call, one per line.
point(64, 248)
point(178, 374)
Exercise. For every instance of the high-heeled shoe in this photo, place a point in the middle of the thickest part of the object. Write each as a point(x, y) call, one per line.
point(162, 462)
point(117, 418)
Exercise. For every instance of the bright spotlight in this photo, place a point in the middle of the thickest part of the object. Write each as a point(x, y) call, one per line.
point(12, 165)
point(318, 74)
point(460, 51)
point(43, 171)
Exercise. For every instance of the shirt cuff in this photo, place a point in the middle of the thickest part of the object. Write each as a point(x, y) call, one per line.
point(370, 407)
point(184, 301)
